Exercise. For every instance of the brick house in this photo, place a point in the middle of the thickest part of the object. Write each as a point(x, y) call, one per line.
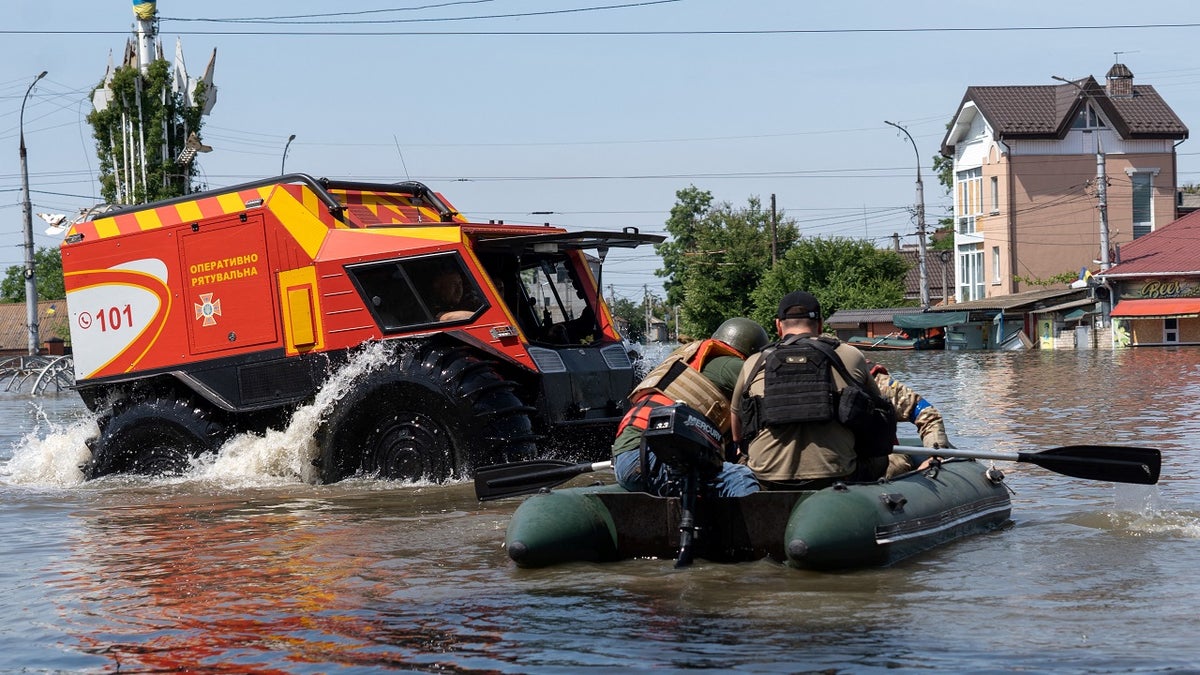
point(1026, 160)
point(1156, 287)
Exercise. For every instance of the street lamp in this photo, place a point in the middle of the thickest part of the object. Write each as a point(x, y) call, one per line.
point(27, 213)
point(283, 162)
point(920, 218)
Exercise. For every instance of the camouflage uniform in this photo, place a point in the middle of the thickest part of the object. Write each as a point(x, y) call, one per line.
point(910, 407)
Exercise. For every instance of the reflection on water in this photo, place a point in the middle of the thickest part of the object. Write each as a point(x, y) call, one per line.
point(252, 568)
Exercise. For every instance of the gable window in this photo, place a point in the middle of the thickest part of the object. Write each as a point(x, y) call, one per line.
point(969, 198)
point(1088, 118)
point(995, 195)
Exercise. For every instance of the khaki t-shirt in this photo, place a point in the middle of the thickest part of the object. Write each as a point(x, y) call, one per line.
point(808, 450)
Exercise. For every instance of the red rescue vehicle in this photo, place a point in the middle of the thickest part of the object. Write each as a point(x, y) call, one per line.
point(220, 312)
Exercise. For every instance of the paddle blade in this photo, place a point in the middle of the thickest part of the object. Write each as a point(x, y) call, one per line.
point(1113, 463)
point(521, 478)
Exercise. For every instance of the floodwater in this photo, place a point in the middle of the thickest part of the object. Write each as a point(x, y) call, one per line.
point(245, 566)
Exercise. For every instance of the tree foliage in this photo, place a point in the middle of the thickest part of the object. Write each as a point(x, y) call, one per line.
point(48, 272)
point(841, 272)
point(716, 256)
point(144, 107)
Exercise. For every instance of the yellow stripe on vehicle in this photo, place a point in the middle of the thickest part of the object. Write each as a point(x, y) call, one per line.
point(148, 219)
point(305, 228)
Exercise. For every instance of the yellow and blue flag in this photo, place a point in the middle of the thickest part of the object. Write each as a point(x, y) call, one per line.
point(145, 9)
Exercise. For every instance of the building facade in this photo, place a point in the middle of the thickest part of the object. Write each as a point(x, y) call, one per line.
point(1028, 204)
point(1155, 287)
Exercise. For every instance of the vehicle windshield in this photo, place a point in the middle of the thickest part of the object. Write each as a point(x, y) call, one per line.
point(546, 293)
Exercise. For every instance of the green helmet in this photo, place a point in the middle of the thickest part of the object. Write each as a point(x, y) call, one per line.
point(744, 335)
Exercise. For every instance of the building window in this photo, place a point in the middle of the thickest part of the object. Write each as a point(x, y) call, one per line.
point(995, 195)
point(995, 264)
point(1171, 330)
point(969, 198)
point(1088, 118)
point(1143, 203)
point(970, 272)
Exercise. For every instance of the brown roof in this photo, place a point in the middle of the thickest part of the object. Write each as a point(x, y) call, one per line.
point(933, 273)
point(14, 331)
point(1027, 300)
point(1171, 249)
point(1047, 111)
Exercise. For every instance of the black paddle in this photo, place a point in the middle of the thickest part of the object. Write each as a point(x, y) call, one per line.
point(1113, 463)
point(520, 478)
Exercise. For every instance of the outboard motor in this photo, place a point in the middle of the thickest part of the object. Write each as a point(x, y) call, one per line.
point(684, 440)
point(691, 446)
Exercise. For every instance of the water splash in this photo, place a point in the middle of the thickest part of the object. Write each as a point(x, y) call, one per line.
point(52, 453)
point(1142, 511)
point(288, 454)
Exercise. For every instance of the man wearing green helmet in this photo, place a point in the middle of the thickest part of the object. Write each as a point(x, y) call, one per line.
point(701, 375)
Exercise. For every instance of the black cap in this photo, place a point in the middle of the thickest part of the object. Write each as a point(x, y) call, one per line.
point(799, 305)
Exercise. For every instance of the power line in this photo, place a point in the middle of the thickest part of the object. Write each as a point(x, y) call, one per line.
point(626, 33)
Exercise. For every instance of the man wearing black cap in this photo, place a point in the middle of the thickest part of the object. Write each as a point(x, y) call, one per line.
point(784, 417)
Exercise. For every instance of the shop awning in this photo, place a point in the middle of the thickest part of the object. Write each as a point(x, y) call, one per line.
point(1076, 314)
point(1157, 308)
point(929, 319)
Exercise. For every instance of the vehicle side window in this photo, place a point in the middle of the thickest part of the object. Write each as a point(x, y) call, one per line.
point(409, 293)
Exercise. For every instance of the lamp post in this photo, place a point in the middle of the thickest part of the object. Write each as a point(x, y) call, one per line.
point(27, 213)
point(920, 218)
point(283, 162)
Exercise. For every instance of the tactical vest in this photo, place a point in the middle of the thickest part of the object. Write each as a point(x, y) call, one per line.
point(678, 377)
point(798, 384)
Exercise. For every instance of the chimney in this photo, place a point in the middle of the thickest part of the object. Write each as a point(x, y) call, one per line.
point(1120, 81)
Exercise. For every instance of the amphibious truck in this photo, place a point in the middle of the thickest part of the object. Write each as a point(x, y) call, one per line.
point(199, 317)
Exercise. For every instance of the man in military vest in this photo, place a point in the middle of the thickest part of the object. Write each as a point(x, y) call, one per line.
point(785, 406)
point(701, 375)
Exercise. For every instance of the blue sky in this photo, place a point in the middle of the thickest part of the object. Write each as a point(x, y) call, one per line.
point(512, 107)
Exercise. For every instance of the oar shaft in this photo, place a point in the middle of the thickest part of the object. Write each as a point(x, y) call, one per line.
point(564, 473)
point(956, 452)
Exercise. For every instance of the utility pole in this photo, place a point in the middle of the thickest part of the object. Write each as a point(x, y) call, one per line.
point(920, 219)
point(1102, 205)
point(27, 213)
point(1101, 184)
point(774, 236)
point(646, 302)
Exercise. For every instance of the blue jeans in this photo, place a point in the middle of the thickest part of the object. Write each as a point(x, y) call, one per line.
point(733, 480)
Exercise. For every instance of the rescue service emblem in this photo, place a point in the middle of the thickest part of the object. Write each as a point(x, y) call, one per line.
point(208, 309)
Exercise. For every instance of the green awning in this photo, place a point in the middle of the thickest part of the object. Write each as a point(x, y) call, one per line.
point(1077, 314)
point(929, 319)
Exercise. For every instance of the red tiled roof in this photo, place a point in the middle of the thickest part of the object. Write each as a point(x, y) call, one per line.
point(1171, 249)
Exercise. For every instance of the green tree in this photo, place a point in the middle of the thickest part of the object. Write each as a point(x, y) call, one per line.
point(943, 236)
point(47, 268)
point(632, 314)
point(840, 272)
point(718, 255)
point(690, 207)
point(162, 117)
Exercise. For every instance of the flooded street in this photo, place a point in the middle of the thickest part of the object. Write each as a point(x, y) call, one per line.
point(244, 566)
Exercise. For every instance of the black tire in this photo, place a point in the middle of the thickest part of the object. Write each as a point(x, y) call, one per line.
point(436, 413)
point(154, 437)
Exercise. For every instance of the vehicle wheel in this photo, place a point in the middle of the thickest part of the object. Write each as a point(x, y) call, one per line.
point(154, 437)
point(436, 413)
